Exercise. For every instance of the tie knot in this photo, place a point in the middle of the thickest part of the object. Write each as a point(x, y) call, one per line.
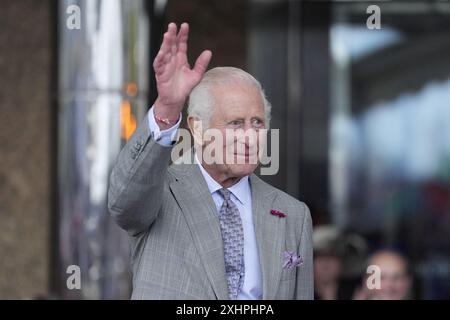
point(225, 193)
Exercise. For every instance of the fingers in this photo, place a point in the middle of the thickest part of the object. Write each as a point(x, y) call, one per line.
point(183, 37)
point(201, 64)
point(172, 31)
point(168, 48)
point(173, 44)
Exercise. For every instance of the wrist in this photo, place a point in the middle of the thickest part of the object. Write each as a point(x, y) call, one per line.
point(165, 117)
point(167, 111)
point(166, 121)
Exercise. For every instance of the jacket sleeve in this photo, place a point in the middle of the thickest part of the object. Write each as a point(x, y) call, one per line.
point(137, 181)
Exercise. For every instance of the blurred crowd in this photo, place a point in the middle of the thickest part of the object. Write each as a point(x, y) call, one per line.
point(344, 269)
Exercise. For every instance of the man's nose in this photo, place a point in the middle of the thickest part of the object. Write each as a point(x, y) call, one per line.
point(249, 136)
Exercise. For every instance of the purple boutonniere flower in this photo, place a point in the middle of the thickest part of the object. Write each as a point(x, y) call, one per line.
point(277, 213)
point(291, 260)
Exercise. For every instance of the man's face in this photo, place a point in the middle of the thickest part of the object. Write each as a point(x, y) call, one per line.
point(239, 116)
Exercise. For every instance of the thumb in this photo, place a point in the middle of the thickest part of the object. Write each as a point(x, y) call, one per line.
point(202, 62)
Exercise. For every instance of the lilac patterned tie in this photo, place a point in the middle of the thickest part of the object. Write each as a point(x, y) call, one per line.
point(233, 243)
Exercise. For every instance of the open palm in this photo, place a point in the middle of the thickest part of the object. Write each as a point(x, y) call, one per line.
point(174, 77)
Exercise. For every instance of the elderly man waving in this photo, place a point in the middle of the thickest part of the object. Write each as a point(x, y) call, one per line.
point(209, 229)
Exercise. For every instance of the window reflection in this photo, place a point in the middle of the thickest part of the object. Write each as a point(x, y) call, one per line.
point(390, 142)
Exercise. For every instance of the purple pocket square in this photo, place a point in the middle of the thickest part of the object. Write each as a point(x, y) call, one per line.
point(277, 213)
point(291, 260)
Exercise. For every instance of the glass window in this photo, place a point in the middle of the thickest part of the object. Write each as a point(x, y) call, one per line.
point(389, 157)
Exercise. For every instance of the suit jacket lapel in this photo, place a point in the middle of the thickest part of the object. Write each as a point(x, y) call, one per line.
point(269, 231)
point(193, 196)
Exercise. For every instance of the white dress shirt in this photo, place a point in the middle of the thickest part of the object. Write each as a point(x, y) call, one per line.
point(241, 195)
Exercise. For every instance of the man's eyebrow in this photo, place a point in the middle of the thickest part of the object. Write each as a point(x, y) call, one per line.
point(236, 119)
point(258, 118)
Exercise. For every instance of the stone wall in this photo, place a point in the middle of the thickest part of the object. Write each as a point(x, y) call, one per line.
point(25, 136)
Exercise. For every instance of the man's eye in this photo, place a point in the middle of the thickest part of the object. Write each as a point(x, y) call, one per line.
point(235, 122)
point(257, 123)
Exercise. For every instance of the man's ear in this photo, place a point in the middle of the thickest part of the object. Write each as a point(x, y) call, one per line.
point(196, 128)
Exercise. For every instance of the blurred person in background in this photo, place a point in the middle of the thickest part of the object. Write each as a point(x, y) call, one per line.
point(339, 260)
point(327, 262)
point(396, 281)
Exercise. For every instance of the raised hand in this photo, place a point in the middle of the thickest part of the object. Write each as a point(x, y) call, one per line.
point(174, 77)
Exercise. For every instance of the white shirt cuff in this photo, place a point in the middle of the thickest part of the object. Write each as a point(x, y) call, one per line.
point(163, 137)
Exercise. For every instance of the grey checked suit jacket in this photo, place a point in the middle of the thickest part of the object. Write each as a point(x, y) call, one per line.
point(177, 249)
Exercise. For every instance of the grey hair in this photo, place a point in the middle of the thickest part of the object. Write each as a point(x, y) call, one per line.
point(201, 101)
